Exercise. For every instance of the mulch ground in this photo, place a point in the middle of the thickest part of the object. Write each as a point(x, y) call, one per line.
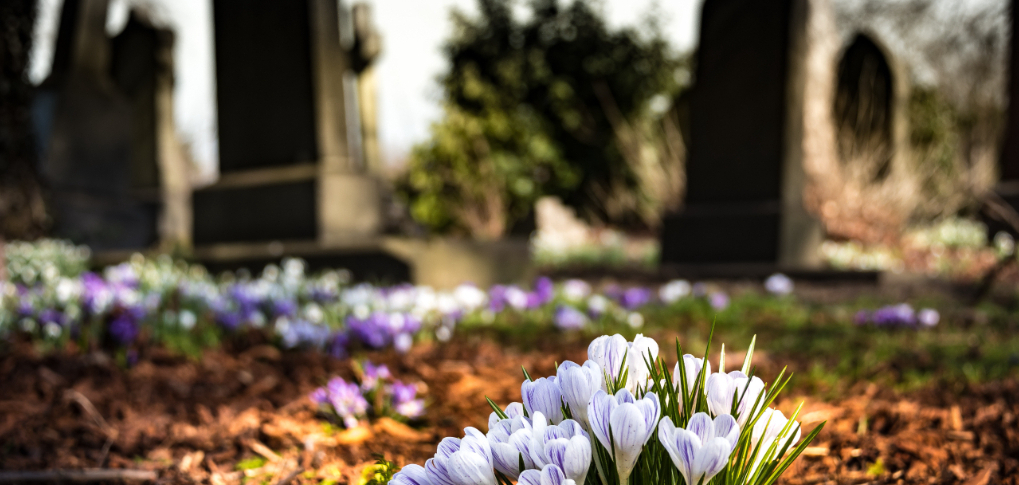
point(194, 421)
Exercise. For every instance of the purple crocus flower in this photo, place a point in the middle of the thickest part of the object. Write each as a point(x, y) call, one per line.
point(124, 329)
point(373, 374)
point(404, 402)
point(544, 290)
point(634, 298)
point(719, 300)
point(569, 318)
point(894, 315)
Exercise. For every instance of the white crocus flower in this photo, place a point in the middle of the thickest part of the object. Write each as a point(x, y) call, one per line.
point(692, 366)
point(565, 445)
point(411, 475)
point(578, 385)
point(544, 396)
point(623, 425)
point(609, 352)
point(701, 450)
point(673, 291)
point(549, 475)
point(767, 432)
point(510, 440)
point(723, 387)
point(512, 411)
point(466, 461)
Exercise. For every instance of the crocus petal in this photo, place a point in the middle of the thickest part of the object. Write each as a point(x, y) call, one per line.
point(629, 435)
point(651, 410)
point(411, 475)
point(552, 475)
point(578, 384)
point(702, 426)
point(711, 459)
point(529, 477)
point(437, 472)
point(720, 394)
point(599, 412)
point(469, 468)
point(726, 427)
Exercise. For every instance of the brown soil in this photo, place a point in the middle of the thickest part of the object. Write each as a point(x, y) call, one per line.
point(193, 421)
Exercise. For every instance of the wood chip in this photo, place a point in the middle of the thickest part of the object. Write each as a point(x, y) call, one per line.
point(263, 450)
point(354, 436)
point(815, 451)
point(399, 430)
point(956, 417)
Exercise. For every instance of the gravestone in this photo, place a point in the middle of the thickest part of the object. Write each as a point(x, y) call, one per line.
point(759, 109)
point(104, 120)
point(1007, 187)
point(366, 49)
point(84, 125)
point(286, 173)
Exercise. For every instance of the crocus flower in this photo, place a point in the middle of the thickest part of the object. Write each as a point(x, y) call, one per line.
point(404, 402)
point(512, 411)
point(578, 385)
point(722, 388)
point(779, 284)
point(549, 475)
point(544, 396)
point(673, 291)
point(609, 352)
point(634, 298)
point(928, 317)
point(701, 450)
point(566, 445)
point(510, 440)
point(719, 300)
point(411, 475)
point(569, 318)
point(692, 367)
point(767, 431)
point(623, 425)
point(466, 461)
point(576, 290)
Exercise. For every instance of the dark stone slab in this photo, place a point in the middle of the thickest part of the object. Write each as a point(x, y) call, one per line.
point(286, 211)
point(264, 88)
point(739, 106)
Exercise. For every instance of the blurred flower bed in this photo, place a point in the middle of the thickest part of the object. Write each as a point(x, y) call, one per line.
point(956, 248)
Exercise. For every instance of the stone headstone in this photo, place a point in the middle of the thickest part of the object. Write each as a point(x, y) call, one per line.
point(286, 170)
point(104, 118)
point(366, 49)
point(760, 107)
point(85, 130)
point(1007, 188)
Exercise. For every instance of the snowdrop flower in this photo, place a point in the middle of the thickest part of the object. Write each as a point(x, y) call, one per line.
point(609, 352)
point(567, 446)
point(466, 461)
point(578, 385)
point(692, 366)
point(723, 387)
point(549, 475)
point(511, 440)
point(411, 475)
point(544, 396)
point(766, 432)
point(674, 291)
point(623, 425)
point(779, 284)
point(701, 450)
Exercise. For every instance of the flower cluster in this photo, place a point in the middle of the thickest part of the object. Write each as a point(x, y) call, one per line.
point(378, 394)
point(621, 418)
point(901, 315)
point(167, 302)
point(45, 260)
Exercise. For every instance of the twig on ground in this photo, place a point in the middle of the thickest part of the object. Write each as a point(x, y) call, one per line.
point(110, 432)
point(291, 476)
point(86, 475)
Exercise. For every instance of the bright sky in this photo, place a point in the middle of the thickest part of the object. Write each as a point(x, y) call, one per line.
point(413, 32)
